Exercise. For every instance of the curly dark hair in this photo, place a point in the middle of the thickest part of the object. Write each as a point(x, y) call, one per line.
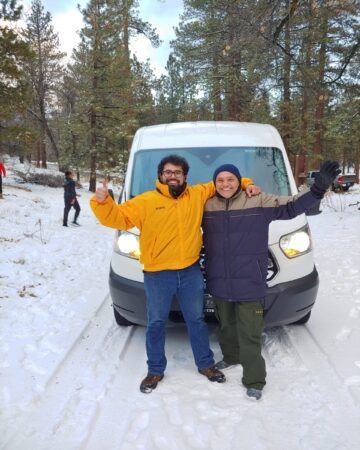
point(68, 173)
point(176, 161)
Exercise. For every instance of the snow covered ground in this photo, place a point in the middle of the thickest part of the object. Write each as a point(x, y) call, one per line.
point(69, 375)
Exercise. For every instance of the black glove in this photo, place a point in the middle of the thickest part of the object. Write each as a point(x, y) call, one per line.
point(324, 179)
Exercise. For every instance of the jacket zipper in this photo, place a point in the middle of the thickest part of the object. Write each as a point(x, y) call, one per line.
point(259, 269)
point(179, 218)
point(227, 247)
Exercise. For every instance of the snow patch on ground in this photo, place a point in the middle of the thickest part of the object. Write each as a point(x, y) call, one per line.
point(69, 375)
point(52, 280)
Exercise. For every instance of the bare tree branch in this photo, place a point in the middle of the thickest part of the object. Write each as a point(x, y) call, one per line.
point(293, 7)
point(352, 53)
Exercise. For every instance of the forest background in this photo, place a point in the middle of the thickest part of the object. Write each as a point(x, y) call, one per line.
point(294, 64)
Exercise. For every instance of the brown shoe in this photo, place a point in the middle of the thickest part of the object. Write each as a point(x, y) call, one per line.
point(213, 374)
point(150, 382)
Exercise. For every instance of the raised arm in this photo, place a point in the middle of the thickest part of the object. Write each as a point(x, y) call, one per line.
point(284, 208)
point(120, 216)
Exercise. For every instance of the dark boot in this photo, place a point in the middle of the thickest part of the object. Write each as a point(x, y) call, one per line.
point(213, 374)
point(254, 394)
point(150, 382)
point(221, 365)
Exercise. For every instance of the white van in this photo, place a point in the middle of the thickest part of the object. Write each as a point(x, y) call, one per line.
point(259, 153)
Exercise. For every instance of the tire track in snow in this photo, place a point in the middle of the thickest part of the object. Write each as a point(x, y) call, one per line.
point(301, 345)
point(298, 344)
point(94, 400)
point(314, 356)
point(125, 412)
point(186, 411)
point(80, 381)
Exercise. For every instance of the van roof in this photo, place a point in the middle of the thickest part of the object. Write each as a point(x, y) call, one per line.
point(205, 134)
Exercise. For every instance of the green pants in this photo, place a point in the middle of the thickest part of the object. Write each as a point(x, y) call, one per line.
point(241, 327)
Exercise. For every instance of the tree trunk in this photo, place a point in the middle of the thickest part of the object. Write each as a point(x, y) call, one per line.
point(92, 112)
point(357, 161)
point(38, 152)
point(43, 145)
point(93, 155)
point(129, 115)
point(216, 85)
point(286, 90)
point(41, 101)
point(321, 92)
point(216, 88)
point(52, 140)
point(307, 45)
point(234, 66)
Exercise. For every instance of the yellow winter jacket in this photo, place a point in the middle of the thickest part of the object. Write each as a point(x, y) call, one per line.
point(170, 234)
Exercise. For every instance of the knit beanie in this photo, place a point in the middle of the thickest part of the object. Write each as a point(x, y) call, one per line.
point(227, 168)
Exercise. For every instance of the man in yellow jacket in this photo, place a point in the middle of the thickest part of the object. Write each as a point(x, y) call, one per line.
point(169, 220)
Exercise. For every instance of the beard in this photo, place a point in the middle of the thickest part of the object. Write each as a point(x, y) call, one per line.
point(176, 191)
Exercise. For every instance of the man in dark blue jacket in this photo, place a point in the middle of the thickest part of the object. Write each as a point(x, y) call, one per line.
point(236, 246)
point(70, 198)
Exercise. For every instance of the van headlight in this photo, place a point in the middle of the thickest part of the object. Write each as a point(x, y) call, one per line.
point(296, 243)
point(127, 244)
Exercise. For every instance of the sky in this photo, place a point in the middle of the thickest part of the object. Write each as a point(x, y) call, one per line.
point(161, 14)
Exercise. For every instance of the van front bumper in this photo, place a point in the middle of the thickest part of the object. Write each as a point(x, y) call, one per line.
point(284, 303)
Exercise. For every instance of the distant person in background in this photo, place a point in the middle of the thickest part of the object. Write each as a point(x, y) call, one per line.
point(2, 173)
point(70, 199)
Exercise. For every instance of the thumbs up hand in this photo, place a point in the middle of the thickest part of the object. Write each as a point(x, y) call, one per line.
point(102, 192)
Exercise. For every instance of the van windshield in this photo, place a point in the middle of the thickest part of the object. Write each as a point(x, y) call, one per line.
point(265, 165)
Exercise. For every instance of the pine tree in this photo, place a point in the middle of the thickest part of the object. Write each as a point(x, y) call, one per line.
point(319, 40)
point(44, 71)
point(286, 62)
point(112, 96)
point(14, 98)
point(218, 49)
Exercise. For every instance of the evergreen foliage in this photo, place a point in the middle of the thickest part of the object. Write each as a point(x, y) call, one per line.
point(112, 95)
point(43, 71)
point(291, 63)
point(14, 92)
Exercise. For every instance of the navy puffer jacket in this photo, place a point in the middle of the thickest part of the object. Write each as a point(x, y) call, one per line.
point(236, 241)
point(69, 189)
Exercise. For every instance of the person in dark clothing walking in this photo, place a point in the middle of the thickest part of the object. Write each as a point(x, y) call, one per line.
point(2, 173)
point(70, 198)
point(236, 262)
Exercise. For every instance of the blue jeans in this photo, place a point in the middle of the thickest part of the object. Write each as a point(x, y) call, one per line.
point(188, 286)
